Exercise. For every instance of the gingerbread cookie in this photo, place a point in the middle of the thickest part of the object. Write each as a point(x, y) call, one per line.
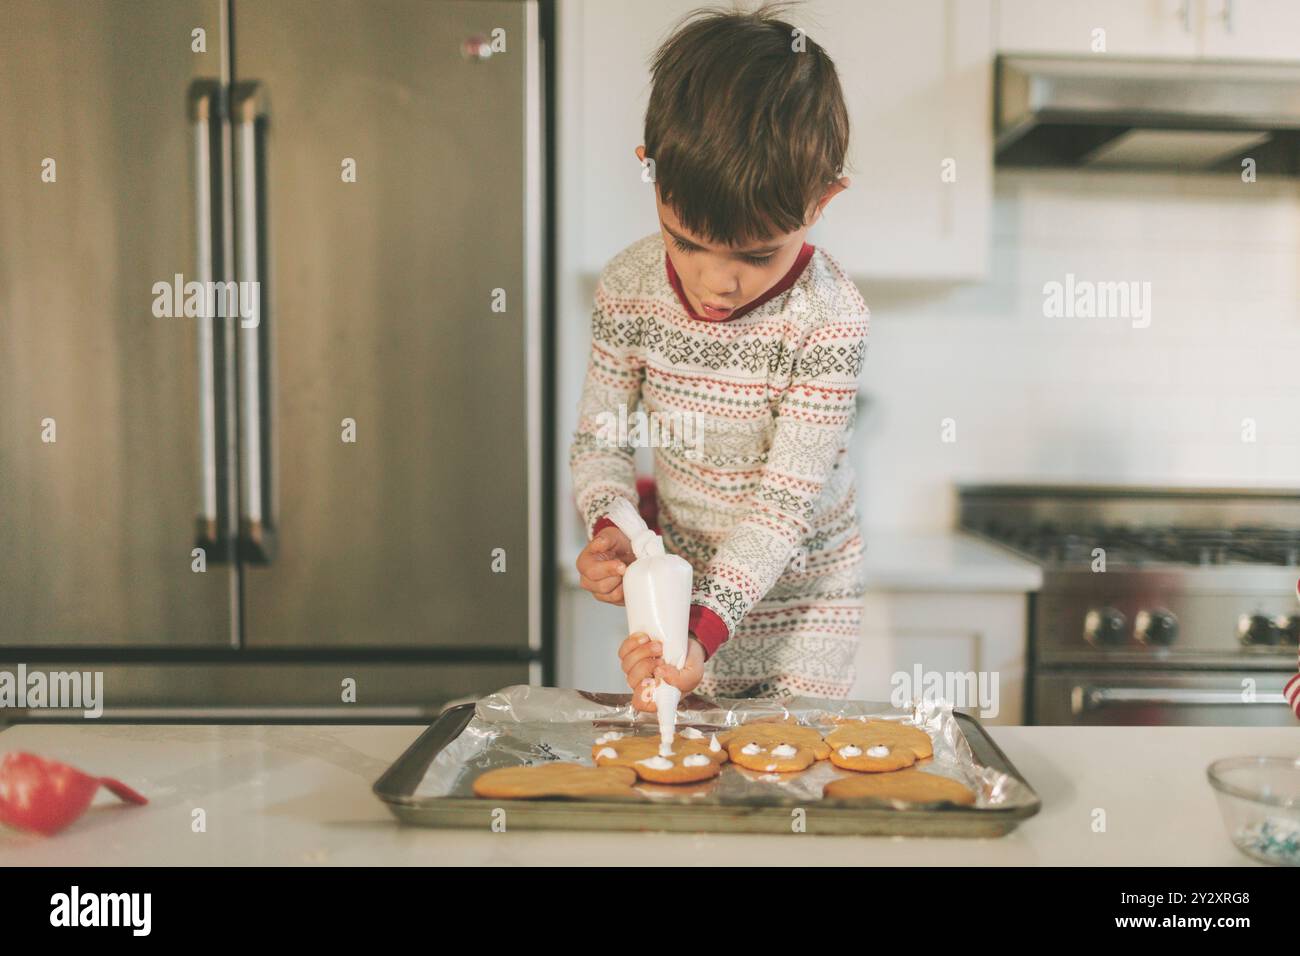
point(556, 780)
point(691, 760)
point(876, 746)
point(774, 747)
point(909, 786)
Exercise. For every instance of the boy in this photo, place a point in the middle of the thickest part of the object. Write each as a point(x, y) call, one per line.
point(727, 316)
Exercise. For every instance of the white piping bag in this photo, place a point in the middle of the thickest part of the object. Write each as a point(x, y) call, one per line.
point(657, 594)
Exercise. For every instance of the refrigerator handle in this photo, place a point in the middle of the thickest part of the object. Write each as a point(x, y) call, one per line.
point(204, 104)
point(256, 537)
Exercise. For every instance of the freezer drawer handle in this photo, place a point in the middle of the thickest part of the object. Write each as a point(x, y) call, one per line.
point(256, 538)
point(1095, 698)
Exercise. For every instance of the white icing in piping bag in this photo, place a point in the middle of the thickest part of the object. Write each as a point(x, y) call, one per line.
point(657, 594)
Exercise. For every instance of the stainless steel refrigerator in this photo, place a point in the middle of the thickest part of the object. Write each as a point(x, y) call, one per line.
point(345, 484)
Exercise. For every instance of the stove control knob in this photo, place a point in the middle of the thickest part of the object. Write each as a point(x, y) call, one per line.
point(1289, 628)
point(1157, 627)
point(1104, 626)
point(1258, 630)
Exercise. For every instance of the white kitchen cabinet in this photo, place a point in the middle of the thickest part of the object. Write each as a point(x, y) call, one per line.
point(1251, 29)
point(590, 632)
point(917, 78)
point(1220, 29)
point(1162, 28)
point(971, 642)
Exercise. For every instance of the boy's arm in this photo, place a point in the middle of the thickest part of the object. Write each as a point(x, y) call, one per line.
point(601, 468)
point(810, 422)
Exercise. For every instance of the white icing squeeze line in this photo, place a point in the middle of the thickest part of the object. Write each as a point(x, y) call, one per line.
point(657, 763)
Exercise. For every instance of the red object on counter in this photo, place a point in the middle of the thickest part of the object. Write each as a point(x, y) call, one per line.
point(45, 796)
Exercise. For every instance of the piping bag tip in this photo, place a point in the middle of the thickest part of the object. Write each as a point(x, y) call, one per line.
point(667, 698)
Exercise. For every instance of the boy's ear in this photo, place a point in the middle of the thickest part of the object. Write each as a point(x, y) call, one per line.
point(833, 190)
point(640, 153)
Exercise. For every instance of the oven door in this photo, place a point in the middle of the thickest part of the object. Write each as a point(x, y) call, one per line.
point(1158, 699)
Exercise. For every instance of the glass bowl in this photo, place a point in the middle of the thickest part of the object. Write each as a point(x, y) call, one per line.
point(1260, 801)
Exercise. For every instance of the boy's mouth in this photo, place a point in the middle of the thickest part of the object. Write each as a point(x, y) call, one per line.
point(716, 311)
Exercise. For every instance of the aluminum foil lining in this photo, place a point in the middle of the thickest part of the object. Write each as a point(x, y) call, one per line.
point(525, 725)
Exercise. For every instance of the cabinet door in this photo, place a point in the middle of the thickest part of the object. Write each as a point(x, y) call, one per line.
point(972, 645)
point(1132, 27)
point(587, 657)
point(1252, 29)
point(917, 78)
point(101, 456)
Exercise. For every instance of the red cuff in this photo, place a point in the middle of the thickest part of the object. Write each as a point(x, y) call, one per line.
point(707, 628)
point(603, 522)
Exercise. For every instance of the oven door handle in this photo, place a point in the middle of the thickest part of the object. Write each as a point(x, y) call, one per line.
point(1086, 698)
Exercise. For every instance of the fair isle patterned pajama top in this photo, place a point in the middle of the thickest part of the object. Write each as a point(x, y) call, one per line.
point(761, 501)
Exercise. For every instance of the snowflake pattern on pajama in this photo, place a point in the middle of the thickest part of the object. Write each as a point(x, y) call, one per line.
point(762, 500)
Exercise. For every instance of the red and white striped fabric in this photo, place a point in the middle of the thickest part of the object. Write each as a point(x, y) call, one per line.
point(1292, 689)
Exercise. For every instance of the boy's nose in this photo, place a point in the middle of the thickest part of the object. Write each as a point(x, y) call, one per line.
point(721, 285)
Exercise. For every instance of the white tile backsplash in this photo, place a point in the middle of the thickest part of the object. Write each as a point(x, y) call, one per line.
point(1093, 399)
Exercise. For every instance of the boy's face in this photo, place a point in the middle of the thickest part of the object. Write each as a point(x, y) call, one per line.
point(719, 279)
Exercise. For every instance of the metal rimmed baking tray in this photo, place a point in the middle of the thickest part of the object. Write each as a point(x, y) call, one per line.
point(431, 783)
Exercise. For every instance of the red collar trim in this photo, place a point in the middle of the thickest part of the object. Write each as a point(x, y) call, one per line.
point(784, 285)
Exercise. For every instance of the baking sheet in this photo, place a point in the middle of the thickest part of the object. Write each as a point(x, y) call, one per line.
point(526, 725)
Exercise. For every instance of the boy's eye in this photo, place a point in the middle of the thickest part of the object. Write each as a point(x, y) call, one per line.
point(752, 260)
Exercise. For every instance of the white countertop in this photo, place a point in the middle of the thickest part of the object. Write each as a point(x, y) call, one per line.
point(926, 561)
point(944, 561)
point(300, 795)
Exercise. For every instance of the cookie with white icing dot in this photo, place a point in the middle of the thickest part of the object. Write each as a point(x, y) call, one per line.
point(692, 760)
point(877, 746)
point(774, 747)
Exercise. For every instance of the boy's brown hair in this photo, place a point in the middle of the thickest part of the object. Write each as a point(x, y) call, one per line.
point(746, 124)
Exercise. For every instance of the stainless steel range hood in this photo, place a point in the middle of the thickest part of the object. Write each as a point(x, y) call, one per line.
point(1189, 115)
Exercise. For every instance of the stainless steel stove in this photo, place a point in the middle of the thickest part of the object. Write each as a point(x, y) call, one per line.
point(1158, 606)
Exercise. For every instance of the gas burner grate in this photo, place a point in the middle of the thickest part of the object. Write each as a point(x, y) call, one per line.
point(1124, 544)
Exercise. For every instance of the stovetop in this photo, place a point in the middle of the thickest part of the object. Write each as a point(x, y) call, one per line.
point(1151, 576)
point(1138, 546)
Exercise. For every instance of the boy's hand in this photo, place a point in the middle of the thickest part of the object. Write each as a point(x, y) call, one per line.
point(639, 656)
point(643, 663)
point(691, 673)
point(602, 564)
